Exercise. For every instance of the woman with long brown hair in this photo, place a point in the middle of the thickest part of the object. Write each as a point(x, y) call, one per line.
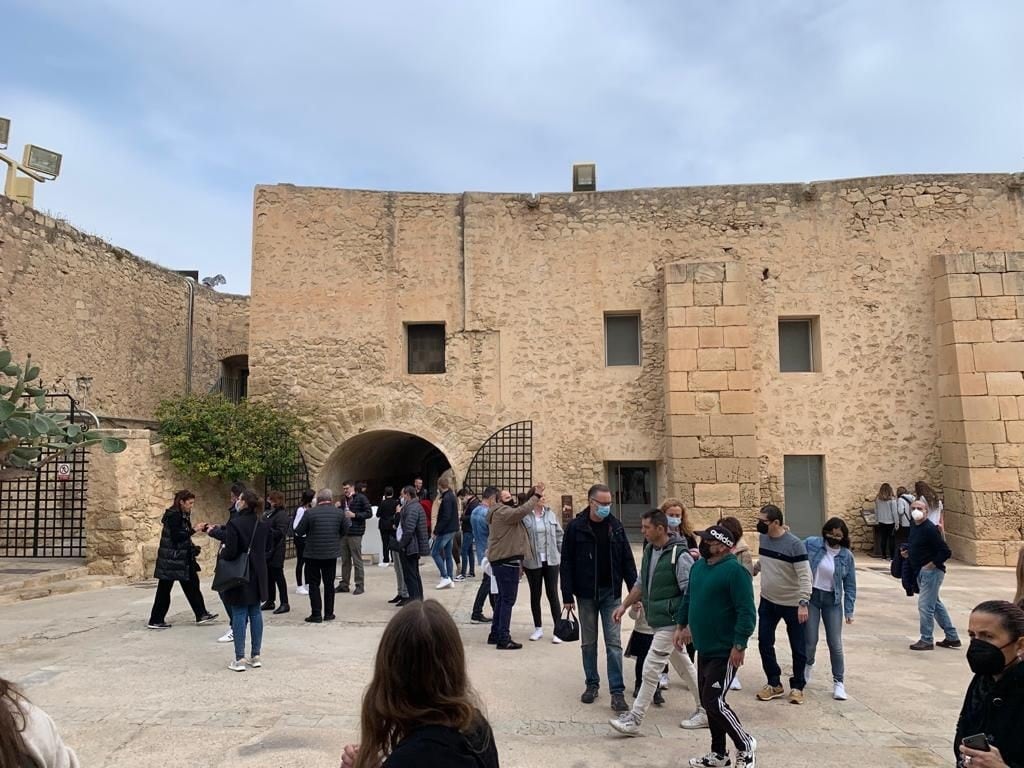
point(27, 734)
point(927, 494)
point(419, 709)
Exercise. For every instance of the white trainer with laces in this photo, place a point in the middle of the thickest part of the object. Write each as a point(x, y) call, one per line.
point(227, 637)
point(254, 662)
point(839, 692)
point(556, 640)
point(747, 759)
point(663, 681)
point(238, 665)
point(628, 724)
point(444, 584)
point(710, 760)
point(302, 590)
point(538, 633)
point(698, 719)
point(736, 685)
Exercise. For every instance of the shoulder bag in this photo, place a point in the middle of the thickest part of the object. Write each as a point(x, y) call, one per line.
point(233, 573)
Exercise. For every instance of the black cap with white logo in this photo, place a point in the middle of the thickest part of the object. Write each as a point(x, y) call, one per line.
point(718, 533)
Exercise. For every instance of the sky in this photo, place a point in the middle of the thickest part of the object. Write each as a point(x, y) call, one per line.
point(168, 114)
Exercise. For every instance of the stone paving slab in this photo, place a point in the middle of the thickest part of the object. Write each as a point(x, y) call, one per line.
point(125, 696)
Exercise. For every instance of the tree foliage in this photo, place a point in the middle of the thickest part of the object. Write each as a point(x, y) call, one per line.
point(210, 436)
point(31, 434)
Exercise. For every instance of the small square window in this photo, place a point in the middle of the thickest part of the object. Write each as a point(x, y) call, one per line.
point(425, 342)
point(799, 345)
point(622, 339)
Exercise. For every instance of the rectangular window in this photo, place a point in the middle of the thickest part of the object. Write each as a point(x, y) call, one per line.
point(634, 489)
point(804, 482)
point(799, 342)
point(622, 339)
point(425, 342)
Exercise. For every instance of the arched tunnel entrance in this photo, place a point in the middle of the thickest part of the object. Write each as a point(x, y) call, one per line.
point(385, 457)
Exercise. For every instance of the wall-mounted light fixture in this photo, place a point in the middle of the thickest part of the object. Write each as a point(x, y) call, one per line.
point(37, 164)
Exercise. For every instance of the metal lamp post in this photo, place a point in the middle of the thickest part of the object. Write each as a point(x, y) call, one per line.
point(37, 164)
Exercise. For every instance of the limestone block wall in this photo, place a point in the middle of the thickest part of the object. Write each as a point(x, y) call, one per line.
point(711, 455)
point(979, 309)
point(128, 493)
point(103, 324)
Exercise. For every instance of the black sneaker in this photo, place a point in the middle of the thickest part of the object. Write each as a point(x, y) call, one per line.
point(395, 599)
point(314, 620)
point(492, 640)
point(341, 588)
point(511, 645)
point(659, 699)
point(921, 645)
point(158, 625)
point(330, 617)
point(358, 591)
point(283, 608)
point(479, 618)
point(590, 694)
point(268, 606)
point(206, 618)
point(404, 601)
point(947, 643)
point(619, 703)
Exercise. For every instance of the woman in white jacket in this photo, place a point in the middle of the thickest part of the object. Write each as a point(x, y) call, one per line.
point(28, 736)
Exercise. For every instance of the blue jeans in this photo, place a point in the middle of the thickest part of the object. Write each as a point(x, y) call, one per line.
point(253, 616)
point(823, 608)
point(467, 563)
point(604, 606)
point(930, 607)
point(507, 577)
point(442, 554)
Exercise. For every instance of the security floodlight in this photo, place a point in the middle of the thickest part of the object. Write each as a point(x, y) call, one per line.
point(44, 161)
point(584, 177)
point(5, 131)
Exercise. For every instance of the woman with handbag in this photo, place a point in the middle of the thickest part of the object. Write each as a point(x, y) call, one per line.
point(176, 561)
point(243, 564)
point(541, 564)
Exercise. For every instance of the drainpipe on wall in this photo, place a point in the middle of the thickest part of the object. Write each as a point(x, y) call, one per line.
point(189, 332)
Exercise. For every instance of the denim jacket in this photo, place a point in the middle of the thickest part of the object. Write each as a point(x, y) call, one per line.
point(844, 585)
point(481, 530)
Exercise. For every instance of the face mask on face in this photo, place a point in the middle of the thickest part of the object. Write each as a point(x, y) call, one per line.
point(833, 542)
point(984, 658)
point(762, 526)
point(603, 510)
point(705, 549)
point(917, 514)
point(674, 522)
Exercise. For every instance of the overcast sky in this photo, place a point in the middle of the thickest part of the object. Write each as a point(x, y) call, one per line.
point(169, 113)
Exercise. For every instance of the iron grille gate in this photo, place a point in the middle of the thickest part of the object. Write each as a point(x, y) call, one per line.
point(43, 514)
point(505, 460)
point(291, 482)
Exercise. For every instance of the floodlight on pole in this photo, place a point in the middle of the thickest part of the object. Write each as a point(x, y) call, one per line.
point(38, 164)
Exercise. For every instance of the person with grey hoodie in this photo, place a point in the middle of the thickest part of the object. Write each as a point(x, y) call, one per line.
point(541, 564)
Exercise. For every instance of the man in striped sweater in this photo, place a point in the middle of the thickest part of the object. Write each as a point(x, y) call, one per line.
point(785, 592)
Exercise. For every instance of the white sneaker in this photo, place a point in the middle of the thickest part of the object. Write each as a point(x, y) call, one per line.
point(839, 692)
point(808, 673)
point(746, 759)
point(237, 665)
point(711, 760)
point(698, 719)
point(254, 662)
point(444, 584)
point(383, 565)
point(736, 685)
point(227, 637)
point(538, 633)
point(556, 640)
point(460, 577)
point(303, 590)
point(663, 681)
point(628, 724)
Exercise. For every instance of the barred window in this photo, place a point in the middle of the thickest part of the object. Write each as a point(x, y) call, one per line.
point(425, 342)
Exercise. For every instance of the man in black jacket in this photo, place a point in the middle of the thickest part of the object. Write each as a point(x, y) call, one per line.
point(413, 541)
point(928, 555)
point(386, 511)
point(596, 560)
point(324, 526)
point(446, 523)
point(358, 510)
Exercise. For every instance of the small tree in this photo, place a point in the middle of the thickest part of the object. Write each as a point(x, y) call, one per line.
point(31, 435)
point(209, 436)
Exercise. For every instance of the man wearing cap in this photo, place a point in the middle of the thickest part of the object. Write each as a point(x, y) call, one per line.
point(664, 575)
point(717, 613)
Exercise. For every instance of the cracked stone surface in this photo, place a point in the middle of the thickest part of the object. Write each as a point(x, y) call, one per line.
point(122, 694)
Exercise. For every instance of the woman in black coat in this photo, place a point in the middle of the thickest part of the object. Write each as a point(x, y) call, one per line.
point(247, 533)
point(176, 561)
point(988, 733)
point(280, 524)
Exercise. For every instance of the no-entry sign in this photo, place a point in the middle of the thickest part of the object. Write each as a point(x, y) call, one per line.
point(63, 472)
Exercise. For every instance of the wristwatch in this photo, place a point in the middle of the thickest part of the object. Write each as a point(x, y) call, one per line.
point(803, 603)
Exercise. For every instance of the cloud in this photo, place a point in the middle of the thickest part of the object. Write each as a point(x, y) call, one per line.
point(194, 103)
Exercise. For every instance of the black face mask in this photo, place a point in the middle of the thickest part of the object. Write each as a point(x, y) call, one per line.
point(834, 542)
point(984, 658)
point(762, 526)
point(705, 549)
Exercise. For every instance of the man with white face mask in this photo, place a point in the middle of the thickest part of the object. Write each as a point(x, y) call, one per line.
point(928, 556)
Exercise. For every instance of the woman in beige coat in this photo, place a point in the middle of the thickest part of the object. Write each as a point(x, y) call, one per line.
point(28, 736)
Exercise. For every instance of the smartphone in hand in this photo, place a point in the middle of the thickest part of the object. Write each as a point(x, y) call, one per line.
point(978, 741)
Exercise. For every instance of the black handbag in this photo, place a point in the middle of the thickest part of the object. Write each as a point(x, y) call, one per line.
point(233, 573)
point(567, 628)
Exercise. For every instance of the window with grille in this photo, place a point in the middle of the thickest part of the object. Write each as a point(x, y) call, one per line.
point(622, 339)
point(425, 343)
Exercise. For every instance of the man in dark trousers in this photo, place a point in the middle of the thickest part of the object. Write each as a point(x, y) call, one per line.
point(386, 511)
point(323, 526)
point(596, 561)
point(413, 542)
point(358, 510)
point(928, 555)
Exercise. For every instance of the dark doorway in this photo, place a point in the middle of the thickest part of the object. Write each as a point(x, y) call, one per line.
point(385, 457)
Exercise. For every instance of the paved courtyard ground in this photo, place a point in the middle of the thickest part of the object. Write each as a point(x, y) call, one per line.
point(125, 696)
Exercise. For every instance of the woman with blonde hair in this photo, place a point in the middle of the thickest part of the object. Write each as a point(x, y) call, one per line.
point(675, 511)
point(419, 708)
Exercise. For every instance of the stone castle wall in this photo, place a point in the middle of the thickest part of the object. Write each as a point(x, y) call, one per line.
point(523, 285)
point(103, 324)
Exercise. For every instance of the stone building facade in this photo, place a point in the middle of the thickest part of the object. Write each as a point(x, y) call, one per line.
point(906, 291)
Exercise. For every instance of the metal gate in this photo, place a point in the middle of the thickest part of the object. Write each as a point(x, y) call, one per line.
point(505, 460)
point(43, 514)
point(291, 482)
